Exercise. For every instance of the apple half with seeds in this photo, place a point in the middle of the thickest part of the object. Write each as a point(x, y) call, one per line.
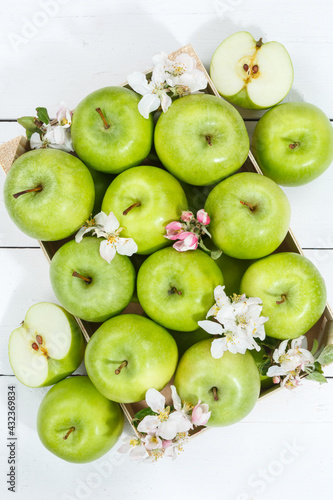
point(250, 73)
point(47, 347)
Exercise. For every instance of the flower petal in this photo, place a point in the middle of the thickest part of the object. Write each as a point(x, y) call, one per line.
point(139, 83)
point(155, 400)
point(211, 327)
point(111, 223)
point(177, 403)
point(218, 347)
point(126, 246)
point(148, 104)
point(82, 231)
point(107, 250)
point(149, 424)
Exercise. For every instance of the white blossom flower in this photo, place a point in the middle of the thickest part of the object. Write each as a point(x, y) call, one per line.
point(181, 71)
point(135, 446)
point(152, 442)
point(289, 363)
point(154, 93)
point(238, 319)
point(200, 414)
point(53, 136)
point(107, 226)
point(165, 424)
point(64, 116)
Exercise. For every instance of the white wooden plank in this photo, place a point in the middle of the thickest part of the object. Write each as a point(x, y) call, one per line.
point(256, 459)
point(98, 46)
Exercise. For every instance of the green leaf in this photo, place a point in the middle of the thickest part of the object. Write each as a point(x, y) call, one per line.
point(326, 356)
point(28, 122)
point(317, 377)
point(314, 347)
point(216, 254)
point(143, 413)
point(43, 115)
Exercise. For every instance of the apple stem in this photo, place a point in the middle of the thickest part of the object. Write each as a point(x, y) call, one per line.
point(39, 339)
point(251, 207)
point(283, 299)
point(123, 364)
point(216, 398)
point(259, 43)
point(174, 290)
point(209, 140)
point(39, 188)
point(77, 275)
point(68, 432)
point(99, 111)
point(35, 346)
point(294, 145)
point(136, 204)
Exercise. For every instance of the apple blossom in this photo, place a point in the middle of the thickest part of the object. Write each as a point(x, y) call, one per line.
point(200, 414)
point(237, 319)
point(64, 116)
point(135, 446)
point(181, 71)
point(107, 226)
point(186, 241)
point(186, 216)
point(154, 93)
point(203, 217)
point(173, 230)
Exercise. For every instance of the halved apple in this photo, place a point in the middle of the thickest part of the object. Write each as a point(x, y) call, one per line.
point(47, 347)
point(250, 73)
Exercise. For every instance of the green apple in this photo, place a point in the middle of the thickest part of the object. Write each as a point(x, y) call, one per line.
point(250, 73)
point(184, 340)
point(77, 423)
point(108, 132)
point(144, 200)
point(128, 355)
point(201, 139)
point(229, 385)
point(49, 194)
point(47, 347)
point(292, 290)
point(293, 143)
point(258, 356)
point(250, 215)
point(176, 289)
point(86, 285)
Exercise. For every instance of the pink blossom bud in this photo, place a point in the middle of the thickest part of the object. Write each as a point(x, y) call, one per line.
point(200, 414)
point(188, 241)
point(203, 217)
point(174, 229)
point(186, 216)
point(276, 380)
point(166, 443)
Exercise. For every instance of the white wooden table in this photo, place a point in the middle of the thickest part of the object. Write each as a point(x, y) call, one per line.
point(53, 50)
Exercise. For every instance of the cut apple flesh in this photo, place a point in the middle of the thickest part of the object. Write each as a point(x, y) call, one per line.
point(263, 71)
point(45, 334)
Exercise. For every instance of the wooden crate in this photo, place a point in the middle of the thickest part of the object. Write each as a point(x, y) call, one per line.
point(322, 330)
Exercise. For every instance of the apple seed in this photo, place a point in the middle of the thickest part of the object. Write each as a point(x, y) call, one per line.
point(34, 346)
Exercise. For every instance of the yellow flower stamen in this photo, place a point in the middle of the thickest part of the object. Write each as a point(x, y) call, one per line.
point(163, 415)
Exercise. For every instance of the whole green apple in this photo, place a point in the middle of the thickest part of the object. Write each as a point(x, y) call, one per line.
point(128, 355)
point(49, 194)
point(250, 215)
point(86, 285)
point(292, 291)
point(47, 347)
point(144, 200)
point(250, 73)
point(77, 423)
point(176, 289)
point(229, 385)
point(108, 132)
point(293, 143)
point(201, 139)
